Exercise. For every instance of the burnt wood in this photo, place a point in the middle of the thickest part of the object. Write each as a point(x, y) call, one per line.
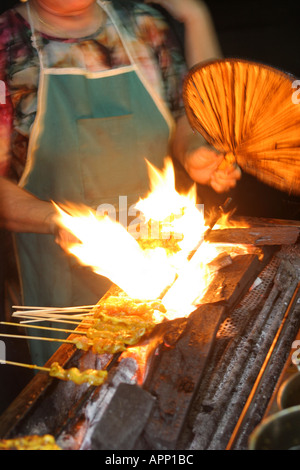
point(124, 419)
point(179, 362)
point(232, 281)
point(175, 379)
point(263, 221)
point(257, 236)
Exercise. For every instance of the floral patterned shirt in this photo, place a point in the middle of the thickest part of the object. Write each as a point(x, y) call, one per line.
point(153, 46)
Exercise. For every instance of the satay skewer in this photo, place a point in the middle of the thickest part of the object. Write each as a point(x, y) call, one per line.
point(48, 328)
point(85, 322)
point(91, 376)
point(80, 307)
point(51, 315)
point(21, 364)
point(3, 335)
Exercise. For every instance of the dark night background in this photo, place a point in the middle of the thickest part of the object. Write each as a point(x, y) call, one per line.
point(268, 32)
point(263, 31)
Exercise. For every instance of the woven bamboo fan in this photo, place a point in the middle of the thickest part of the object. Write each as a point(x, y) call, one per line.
point(246, 111)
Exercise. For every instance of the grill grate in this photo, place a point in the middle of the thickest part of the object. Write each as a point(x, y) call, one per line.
point(243, 342)
point(251, 302)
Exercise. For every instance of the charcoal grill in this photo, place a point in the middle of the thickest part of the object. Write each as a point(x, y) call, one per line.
point(210, 380)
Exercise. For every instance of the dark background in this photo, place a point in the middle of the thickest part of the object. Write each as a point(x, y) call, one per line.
point(263, 31)
point(268, 32)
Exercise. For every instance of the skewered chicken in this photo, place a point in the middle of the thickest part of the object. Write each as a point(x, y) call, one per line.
point(34, 442)
point(91, 376)
point(118, 322)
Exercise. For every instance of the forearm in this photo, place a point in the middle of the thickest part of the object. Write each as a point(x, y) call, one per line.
point(200, 38)
point(185, 140)
point(201, 42)
point(20, 211)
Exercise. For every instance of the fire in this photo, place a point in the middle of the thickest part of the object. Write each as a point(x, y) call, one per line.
point(177, 215)
point(149, 258)
point(108, 248)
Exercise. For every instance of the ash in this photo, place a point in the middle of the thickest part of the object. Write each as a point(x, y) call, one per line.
point(94, 409)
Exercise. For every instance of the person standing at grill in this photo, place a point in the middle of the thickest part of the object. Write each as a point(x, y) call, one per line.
point(93, 88)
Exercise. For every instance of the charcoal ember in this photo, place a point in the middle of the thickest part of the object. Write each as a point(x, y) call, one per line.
point(221, 261)
point(124, 419)
point(175, 378)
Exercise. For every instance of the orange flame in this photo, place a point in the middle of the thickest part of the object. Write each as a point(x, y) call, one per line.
point(108, 248)
point(147, 262)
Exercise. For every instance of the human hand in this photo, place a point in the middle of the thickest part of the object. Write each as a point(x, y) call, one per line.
point(223, 180)
point(63, 237)
point(206, 166)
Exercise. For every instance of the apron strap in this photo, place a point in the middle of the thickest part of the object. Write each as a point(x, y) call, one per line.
point(34, 36)
point(106, 5)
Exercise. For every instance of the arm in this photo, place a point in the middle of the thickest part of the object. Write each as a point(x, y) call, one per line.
point(200, 39)
point(20, 211)
point(201, 43)
point(200, 160)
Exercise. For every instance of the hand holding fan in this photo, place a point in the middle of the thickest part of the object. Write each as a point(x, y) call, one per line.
point(246, 111)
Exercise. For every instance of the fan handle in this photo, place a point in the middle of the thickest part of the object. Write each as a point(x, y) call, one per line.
point(229, 161)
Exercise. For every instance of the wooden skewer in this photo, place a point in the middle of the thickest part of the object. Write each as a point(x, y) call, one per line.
point(55, 311)
point(21, 364)
point(53, 315)
point(41, 319)
point(28, 307)
point(37, 337)
point(43, 328)
point(55, 320)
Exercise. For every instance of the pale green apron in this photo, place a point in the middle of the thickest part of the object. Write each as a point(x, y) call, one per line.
point(88, 143)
